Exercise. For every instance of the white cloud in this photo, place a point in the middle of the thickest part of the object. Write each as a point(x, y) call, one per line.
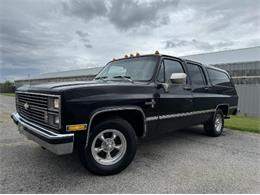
point(47, 36)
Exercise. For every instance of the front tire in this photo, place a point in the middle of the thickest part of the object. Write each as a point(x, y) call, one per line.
point(214, 127)
point(111, 147)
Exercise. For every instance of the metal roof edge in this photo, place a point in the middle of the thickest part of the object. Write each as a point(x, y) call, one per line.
point(226, 50)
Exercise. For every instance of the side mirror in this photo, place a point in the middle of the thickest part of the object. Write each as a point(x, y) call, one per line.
point(178, 78)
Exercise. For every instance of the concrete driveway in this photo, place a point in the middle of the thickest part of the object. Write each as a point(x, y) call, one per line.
point(184, 161)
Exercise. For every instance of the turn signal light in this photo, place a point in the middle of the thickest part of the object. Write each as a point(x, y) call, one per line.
point(78, 127)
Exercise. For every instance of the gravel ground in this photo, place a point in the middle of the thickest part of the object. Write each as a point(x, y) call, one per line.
point(180, 162)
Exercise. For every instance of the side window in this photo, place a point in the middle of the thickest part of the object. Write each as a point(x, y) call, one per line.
point(170, 67)
point(196, 74)
point(218, 77)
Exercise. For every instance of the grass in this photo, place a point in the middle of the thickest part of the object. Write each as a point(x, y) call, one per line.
point(8, 94)
point(242, 123)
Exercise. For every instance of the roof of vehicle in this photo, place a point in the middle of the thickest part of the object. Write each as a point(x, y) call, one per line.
point(207, 66)
point(169, 56)
point(216, 68)
point(146, 55)
point(249, 54)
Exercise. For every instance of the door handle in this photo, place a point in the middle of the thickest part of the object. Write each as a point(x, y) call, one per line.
point(189, 100)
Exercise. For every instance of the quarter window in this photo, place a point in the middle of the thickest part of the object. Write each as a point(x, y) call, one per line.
point(218, 77)
point(196, 74)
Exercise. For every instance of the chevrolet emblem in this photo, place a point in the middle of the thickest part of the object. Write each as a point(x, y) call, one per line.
point(26, 106)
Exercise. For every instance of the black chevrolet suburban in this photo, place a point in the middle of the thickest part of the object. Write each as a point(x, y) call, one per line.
point(132, 97)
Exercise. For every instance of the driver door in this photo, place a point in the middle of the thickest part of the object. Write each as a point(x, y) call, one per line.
point(176, 103)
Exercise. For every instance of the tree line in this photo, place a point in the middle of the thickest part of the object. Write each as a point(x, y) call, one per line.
point(7, 87)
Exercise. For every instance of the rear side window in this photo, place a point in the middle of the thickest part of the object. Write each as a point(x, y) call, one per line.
point(218, 77)
point(196, 74)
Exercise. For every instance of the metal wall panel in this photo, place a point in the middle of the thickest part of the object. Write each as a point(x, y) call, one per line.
point(249, 99)
point(247, 81)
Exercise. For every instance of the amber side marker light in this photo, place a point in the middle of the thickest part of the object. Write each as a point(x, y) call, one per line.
point(79, 127)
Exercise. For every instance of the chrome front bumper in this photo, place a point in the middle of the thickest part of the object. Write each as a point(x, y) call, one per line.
point(56, 143)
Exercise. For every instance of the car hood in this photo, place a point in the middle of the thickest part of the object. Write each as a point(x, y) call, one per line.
point(67, 86)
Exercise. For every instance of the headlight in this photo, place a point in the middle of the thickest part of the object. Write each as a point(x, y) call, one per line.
point(56, 120)
point(56, 103)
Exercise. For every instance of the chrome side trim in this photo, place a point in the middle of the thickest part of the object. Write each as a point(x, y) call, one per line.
point(185, 114)
point(233, 107)
point(113, 109)
point(168, 116)
point(161, 117)
point(152, 118)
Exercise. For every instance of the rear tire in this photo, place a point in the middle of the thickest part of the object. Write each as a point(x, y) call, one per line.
point(214, 127)
point(111, 147)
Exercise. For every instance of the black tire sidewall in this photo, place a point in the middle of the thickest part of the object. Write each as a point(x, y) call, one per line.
point(127, 130)
point(219, 112)
point(210, 125)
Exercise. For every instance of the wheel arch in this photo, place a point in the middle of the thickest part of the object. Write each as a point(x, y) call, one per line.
point(121, 111)
point(224, 108)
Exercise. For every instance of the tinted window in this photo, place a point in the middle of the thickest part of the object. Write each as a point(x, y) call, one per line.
point(218, 77)
point(172, 67)
point(196, 74)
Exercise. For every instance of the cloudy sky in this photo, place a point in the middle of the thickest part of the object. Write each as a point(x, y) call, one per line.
point(39, 36)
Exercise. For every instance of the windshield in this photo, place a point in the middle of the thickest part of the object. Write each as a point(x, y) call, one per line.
point(139, 69)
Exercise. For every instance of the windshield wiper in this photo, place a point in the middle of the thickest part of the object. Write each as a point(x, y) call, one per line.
point(128, 78)
point(101, 78)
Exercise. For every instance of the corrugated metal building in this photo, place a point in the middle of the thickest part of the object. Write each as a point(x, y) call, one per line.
point(242, 64)
point(63, 76)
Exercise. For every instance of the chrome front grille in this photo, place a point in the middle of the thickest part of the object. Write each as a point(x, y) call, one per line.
point(36, 108)
point(36, 101)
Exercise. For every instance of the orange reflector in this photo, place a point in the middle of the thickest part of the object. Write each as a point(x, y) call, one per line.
point(78, 127)
point(157, 53)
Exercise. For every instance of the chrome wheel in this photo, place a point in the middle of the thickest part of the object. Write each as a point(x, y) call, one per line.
point(218, 122)
point(108, 147)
